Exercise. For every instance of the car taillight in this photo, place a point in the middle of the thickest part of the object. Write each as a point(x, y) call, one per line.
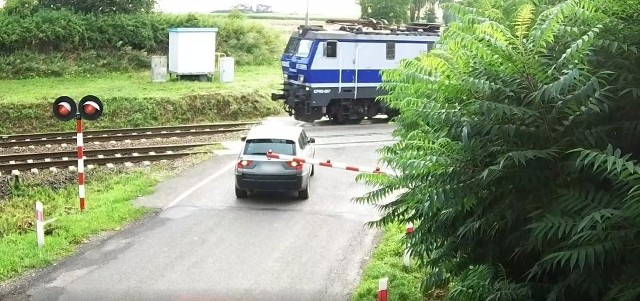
point(295, 164)
point(244, 163)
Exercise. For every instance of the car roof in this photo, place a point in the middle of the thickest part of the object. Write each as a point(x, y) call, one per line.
point(270, 131)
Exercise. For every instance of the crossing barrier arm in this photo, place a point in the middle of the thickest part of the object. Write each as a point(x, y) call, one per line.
point(327, 163)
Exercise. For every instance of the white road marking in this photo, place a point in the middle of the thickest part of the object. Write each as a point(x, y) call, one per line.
point(199, 185)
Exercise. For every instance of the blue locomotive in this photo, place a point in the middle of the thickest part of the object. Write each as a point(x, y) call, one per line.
point(336, 73)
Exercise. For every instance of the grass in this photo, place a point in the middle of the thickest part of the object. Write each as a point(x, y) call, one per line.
point(134, 85)
point(109, 207)
point(387, 261)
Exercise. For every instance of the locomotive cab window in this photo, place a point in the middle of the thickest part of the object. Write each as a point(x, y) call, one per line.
point(331, 49)
point(391, 50)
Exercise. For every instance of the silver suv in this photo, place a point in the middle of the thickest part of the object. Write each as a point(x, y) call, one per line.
point(255, 172)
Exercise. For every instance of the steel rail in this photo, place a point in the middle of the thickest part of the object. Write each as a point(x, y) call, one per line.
point(99, 152)
point(97, 161)
point(170, 128)
point(118, 137)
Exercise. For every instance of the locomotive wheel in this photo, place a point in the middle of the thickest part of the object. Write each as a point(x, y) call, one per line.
point(356, 120)
point(337, 114)
point(300, 114)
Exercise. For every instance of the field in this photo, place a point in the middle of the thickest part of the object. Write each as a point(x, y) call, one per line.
point(286, 26)
point(135, 85)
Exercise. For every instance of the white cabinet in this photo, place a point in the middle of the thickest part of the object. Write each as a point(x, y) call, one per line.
point(192, 51)
point(227, 69)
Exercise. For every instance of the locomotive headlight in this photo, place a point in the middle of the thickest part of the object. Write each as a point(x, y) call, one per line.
point(301, 78)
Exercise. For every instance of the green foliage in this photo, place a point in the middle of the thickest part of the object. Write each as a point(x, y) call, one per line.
point(430, 15)
point(486, 283)
point(27, 64)
point(21, 8)
point(387, 261)
point(415, 7)
point(394, 11)
point(519, 146)
point(111, 192)
point(102, 6)
point(62, 36)
point(146, 111)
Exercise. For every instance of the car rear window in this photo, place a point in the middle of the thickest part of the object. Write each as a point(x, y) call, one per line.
point(262, 146)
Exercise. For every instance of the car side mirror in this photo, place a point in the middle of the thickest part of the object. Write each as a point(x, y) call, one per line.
point(312, 140)
point(243, 138)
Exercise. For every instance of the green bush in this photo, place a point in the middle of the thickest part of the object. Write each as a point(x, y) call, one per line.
point(102, 6)
point(148, 111)
point(20, 7)
point(62, 37)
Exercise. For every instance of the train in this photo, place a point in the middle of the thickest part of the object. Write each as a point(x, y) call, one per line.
point(336, 73)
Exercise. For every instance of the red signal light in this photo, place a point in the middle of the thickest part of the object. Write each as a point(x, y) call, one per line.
point(91, 107)
point(64, 108)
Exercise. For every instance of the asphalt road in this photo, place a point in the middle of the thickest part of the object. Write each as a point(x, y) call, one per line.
point(205, 244)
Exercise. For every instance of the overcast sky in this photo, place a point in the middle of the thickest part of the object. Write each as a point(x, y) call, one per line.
point(337, 8)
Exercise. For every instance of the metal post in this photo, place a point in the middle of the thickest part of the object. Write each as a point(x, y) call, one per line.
point(40, 223)
point(80, 143)
point(306, 19)
point(407, 255)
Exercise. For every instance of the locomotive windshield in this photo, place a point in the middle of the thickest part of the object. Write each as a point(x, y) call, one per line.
point(292, 45)
point(304, 48)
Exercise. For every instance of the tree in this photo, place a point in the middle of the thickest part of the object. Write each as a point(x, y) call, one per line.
point(364, 7)
point(21, 7)
point(416, 8)
point(518, 152)
point(394, 11)
point(102, 7)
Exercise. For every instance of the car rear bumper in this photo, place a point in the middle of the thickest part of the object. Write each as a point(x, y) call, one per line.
point(270, 182)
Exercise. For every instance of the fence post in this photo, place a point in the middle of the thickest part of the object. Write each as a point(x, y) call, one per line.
point(383, 293)
point(40, 223)
point(407, 255)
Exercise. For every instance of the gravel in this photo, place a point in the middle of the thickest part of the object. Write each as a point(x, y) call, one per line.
point(123, 144)
point(62, 176)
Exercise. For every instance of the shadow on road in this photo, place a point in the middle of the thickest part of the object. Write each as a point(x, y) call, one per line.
point(327, 122)
point(271, 198)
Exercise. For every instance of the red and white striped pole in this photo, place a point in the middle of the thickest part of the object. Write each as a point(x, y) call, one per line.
point(326, 163)
point(80, 142)
point(407, 254)
point(40, 223)
point(383, 293)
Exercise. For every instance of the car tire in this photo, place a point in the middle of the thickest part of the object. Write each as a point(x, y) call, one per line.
point(241, 194)
point(304, 194)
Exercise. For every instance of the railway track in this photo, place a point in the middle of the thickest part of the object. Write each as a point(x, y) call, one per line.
point(22, 140)
point(65, 159)
point(15, 162)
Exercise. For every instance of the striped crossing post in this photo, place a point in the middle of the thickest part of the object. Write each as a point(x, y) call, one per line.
point(326, 163)
point(383, 292)
point(65, 109)
point(407, 254)
point(40, 223)
point(80, 142)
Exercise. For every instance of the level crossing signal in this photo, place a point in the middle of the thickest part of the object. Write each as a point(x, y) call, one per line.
point(90, 107)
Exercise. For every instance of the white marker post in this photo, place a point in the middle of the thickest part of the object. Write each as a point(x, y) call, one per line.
point(407, 254)
point(40, 223)
point(383, 293)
